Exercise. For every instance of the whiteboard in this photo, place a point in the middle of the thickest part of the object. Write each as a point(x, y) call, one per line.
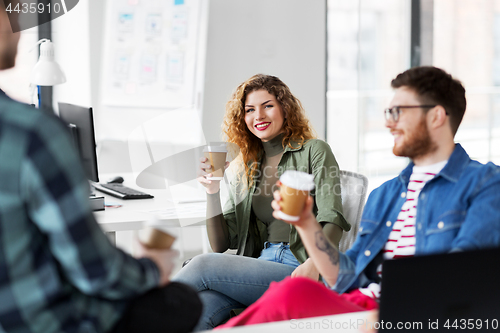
point(150, 49)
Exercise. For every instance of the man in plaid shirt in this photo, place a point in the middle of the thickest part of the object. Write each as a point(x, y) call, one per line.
point(58, 271)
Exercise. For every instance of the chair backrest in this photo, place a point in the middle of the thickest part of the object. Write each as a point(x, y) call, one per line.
point(354, 187)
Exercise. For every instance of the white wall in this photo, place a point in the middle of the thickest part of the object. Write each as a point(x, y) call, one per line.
point(72, 47)
point(285, 38)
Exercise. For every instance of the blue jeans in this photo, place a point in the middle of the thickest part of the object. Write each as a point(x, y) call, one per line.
point(278, 252)
point(225, 282)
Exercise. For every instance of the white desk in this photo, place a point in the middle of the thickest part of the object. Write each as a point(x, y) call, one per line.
point(354, 322)
point(134, 213)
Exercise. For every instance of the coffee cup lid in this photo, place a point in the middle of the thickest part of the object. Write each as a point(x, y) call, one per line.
point(298, 180)
point(216, 148)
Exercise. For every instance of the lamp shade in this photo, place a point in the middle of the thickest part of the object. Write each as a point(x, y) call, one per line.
point(46, 71)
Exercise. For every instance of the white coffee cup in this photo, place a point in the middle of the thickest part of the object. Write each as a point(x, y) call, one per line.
point(294, 191)
point(216, 157)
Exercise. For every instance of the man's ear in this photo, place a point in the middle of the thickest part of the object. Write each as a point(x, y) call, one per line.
point(438, 117)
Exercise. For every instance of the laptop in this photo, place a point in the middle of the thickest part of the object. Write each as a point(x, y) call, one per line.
point(444, 292)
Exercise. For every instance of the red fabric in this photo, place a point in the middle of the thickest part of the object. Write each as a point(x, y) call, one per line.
point(300, 297)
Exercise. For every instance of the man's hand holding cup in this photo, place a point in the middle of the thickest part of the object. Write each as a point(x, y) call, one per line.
point(292, 203)
point(156, 245)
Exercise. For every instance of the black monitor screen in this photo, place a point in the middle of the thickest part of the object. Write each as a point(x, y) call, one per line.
point(81, 125)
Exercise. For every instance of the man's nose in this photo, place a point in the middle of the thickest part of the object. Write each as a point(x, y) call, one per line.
point(390, 123)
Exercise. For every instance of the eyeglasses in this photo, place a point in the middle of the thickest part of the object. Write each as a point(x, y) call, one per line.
point(395, 111)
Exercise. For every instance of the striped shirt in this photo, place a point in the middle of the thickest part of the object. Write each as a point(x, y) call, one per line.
point(58, 270)
point(401, 241)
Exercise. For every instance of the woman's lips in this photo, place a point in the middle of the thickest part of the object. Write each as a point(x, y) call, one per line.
point(262, 126)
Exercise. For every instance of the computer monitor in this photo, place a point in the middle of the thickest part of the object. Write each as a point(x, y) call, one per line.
point(80, 122)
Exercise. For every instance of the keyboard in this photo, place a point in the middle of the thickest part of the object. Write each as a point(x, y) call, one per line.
point(122, 192)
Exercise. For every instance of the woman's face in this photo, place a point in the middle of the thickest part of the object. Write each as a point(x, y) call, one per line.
point(264, 116)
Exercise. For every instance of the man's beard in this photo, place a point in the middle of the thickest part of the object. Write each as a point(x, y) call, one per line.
point(8, 60)
point(416, 143)
point(8, 55)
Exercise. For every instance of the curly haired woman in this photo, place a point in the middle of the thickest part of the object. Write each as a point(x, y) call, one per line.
point(268, 124)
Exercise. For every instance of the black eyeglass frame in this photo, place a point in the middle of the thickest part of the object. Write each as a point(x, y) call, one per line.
point(395, 111)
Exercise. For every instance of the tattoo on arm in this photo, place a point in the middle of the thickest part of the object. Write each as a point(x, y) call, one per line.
point(324, 245)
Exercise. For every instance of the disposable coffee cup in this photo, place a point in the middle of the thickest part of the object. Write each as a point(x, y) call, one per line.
point(294, 191)
point(154, 238)
point(216, 156)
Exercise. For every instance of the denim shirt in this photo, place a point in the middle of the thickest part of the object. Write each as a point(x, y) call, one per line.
point(459, 209)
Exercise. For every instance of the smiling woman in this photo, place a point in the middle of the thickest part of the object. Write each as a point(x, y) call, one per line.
point(268, 124)
point(263, 115)
point(240, 109)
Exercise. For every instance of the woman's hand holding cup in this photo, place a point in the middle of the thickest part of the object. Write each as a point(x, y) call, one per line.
point(204, 172)
point(212, 168)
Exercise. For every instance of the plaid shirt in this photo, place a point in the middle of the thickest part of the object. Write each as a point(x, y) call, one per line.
point(58, 270)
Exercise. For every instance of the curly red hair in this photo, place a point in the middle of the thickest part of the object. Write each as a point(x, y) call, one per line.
point(296, 126)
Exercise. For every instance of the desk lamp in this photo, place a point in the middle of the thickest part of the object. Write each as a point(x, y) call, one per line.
point(46, 72)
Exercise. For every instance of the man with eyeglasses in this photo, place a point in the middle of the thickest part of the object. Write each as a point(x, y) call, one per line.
point(441, 202)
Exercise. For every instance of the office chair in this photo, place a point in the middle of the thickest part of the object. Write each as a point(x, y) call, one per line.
point(354, 187)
